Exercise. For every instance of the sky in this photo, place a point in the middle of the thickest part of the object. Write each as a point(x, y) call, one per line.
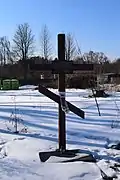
point(95, 24)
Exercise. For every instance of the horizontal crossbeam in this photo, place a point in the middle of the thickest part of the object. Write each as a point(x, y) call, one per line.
point(60, 66)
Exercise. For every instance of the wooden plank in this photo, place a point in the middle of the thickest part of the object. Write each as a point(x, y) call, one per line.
point(63, 66)
point(56, 98)
point(44, 156)
point(66, 156)
point(61, 88)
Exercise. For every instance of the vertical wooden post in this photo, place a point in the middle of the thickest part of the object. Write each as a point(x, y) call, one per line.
point(61, 88)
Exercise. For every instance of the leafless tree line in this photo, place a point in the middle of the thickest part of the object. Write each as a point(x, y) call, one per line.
point(23, 46)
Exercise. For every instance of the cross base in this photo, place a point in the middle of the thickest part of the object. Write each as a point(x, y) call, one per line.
point(66, 156)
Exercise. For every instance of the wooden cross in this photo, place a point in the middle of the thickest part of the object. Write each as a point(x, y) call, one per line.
point(61, 67)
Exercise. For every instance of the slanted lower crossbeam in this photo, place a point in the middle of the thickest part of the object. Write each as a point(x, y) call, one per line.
point(43, 90)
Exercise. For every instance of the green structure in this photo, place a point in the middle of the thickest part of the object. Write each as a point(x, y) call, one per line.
point(14, 84)
point(6, 84)
point(10, 84)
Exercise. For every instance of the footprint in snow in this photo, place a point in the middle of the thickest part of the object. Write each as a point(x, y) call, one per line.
point(21, 138)
point(78, 177)
point(2, 143)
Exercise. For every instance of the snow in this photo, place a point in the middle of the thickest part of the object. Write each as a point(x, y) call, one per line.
point(19, 153)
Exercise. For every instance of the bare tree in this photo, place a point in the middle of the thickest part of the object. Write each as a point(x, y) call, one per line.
point(23, 44)
point(45, 43)
point(95, 57)
point(71, 50)
point(6, 54)
point(23, 41)
point(102, 58)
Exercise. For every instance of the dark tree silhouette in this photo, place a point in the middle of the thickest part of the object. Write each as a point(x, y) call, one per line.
point(6, 54)
point(45, 43)
point(23, 44)
point(71, 50)
point(23, 41)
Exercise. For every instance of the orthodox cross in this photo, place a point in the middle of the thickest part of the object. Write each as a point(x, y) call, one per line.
point(61, 67)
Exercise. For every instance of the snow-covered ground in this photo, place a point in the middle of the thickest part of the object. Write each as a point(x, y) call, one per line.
point(19, 152)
